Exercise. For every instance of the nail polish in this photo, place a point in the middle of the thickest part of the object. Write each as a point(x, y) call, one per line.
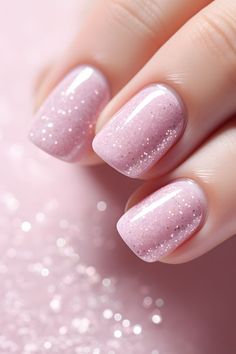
point(142, 131)
point(160, 223)
point(64, 126)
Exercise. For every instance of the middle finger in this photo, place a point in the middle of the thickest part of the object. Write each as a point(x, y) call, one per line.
point(198, 62)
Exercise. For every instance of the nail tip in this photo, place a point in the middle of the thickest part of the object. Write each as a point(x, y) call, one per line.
point(142, 131)
point(64, 126)
point(163, 221)
point(37, 143)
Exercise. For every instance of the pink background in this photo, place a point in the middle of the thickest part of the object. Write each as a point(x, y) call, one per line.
point(68, 283)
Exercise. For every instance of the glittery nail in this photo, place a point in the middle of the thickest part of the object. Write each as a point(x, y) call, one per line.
point(160, 223)
point(64, 126)
point(142, 131)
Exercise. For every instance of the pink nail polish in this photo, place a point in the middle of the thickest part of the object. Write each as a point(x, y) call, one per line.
point(142, 131)
point(64, 126)
point(160, 223)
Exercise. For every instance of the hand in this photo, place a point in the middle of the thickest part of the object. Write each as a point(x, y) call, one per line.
point(170, 69)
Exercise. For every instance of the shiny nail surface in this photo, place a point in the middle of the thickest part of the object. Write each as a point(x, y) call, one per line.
point(64, 125)
point(160, 223)
point(144, 129)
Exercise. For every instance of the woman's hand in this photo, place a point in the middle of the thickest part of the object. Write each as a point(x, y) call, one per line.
point(170, 69)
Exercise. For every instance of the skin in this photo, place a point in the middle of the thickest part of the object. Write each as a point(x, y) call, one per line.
point(200, 36)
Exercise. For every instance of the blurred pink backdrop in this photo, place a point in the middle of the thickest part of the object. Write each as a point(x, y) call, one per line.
point(68, 283)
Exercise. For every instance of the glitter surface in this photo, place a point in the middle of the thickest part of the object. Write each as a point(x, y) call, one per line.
point(64, 126)
point(162, 221)
point(142, 131)
point(59, 278)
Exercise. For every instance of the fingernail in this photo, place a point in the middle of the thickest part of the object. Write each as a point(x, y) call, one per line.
point(64, 125)
point(142, 131)
point(160, 223)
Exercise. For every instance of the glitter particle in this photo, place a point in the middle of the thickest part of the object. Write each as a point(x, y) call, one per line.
point(159, 302)
point(156, 318)
point(137, 329)
point(101, 206)
point(55, 303)
point(26, 226)
point(117, 333)
point(107, 314)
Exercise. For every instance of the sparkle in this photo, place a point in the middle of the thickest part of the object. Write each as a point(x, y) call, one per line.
point(101, 206)
point(117, 317)
point(156, 318)
point(61, 242)
point(159, 302)
point(107, 314)
point(125, 323)
point(47, 345)
point(137, 329)
point(106, 282)
point(117, 333)
point(81, 324)
point(63, 330)
point(45, 272)
point(11, 203)
point(55, 304)
point(26, 226)
point(147, 302)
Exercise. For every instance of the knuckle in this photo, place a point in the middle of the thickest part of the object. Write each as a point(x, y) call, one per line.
point(146, 17)
point(217, 29)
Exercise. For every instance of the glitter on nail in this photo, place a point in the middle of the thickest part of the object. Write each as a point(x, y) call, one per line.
point(125, 323)
point(156, 318)
point(117, 317)
point(142, 131)
point(70, 113)
point(148, 228)
point(61, 242)
point(101, 206)
point(147, 302)
point(159, 302)
point(106, 282)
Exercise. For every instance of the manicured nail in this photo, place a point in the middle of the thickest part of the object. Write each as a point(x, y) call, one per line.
point(64, 126)
point(160, 223)
point(142, 131)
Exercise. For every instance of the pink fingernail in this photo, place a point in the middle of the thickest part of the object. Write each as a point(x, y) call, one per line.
point(160, 223)
point(142, 131)
point(64, 126)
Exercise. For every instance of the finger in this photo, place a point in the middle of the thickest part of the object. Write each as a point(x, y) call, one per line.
point(105, 38)
point(114, 42)
point(197, 72)
point(193, 212)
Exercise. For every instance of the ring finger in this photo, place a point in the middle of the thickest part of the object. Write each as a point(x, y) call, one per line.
point(193, 212)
